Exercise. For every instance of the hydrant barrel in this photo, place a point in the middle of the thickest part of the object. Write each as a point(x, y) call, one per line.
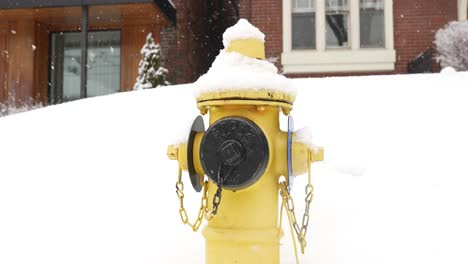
point(245, 229)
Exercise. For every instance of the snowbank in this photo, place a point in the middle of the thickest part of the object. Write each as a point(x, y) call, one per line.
point(89, 181)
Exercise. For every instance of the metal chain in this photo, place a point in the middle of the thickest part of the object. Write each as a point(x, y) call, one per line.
point(288, 201)
point(217, 200)
point(203, 205)
point(217, 196)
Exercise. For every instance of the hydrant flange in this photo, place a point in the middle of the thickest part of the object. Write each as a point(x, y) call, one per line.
point(195, 179)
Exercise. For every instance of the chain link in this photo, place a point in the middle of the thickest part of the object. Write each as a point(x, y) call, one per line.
point(289, 204)
point(203, 212)
point(217, 200)
point(219, 191)
point(203, 204)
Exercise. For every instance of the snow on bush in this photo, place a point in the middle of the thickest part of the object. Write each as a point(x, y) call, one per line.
point(150, 72)
point(448, 70)
point(452, 45)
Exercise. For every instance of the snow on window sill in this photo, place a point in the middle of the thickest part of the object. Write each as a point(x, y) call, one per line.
point(338, 61)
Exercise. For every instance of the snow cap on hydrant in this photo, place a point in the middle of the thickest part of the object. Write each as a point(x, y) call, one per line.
point(241, 72)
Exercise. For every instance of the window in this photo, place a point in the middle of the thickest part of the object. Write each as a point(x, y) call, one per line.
point(303, 19)
point(103, 65)
point(372, 23)
point(462, 10)
point(337, 36)
point(337, 22)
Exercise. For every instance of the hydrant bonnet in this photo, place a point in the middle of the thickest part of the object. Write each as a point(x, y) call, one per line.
point(240, 75)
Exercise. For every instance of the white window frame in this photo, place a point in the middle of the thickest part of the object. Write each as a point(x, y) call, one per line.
point(462, 9)
point(354, 59)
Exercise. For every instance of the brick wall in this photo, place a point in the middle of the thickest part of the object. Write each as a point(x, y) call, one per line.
point(223, 14)
point(183, 46)
point(415, 24)
point(267, 16)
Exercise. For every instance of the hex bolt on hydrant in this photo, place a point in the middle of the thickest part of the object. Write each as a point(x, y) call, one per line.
point(244, 154)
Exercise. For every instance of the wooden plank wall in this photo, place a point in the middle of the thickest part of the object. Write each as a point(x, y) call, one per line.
point(4, 31)
point(41, 63)
point(16, 62)
point(21, 61)
point(133, 37)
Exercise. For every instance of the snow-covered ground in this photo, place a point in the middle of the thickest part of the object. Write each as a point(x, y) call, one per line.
point(89, 181)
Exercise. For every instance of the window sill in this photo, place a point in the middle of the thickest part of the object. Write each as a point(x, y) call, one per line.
point(338, 61)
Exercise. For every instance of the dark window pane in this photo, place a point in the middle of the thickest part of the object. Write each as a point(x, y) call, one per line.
point(372, 24)
point(337, 23)
point(337, 30)
point(65, 67)
point(71, 67)
point(103, 65)
point(303, 31)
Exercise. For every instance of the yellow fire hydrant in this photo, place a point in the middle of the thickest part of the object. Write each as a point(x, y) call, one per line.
point(243, 154)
